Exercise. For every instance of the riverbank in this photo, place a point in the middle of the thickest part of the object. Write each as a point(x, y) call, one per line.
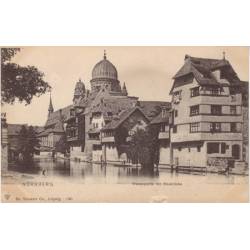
point(238, 170)
point(68, 181)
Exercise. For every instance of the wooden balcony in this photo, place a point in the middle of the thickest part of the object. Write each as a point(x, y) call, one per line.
point(108, 139)
point(72, 138)
point(205, 136)
point(95, 141)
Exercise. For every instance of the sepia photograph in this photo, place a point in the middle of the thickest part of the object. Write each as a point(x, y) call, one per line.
point(124, 124)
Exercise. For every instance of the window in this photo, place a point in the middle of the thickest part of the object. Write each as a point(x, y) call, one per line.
point(189, 150)
point(175, 113)
point(216, 110)
point(194, 127)
point(194, 110)
point(95, 125)
point(233, 110)
point(233, 127)
point(179, 148)
point(198, 148)
point(163, 112)
point(195, 92)
point(213, 147)
point(215, 127)
point(175, 129)
point(223, 148)
point(163, 128)
point(215, 91)
point(177, 97)
point(177, 94)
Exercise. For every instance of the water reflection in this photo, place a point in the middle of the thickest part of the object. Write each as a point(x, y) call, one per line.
point(97, 173)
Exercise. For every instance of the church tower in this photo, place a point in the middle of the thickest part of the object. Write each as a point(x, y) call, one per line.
point(79, 92)
point(50, 109)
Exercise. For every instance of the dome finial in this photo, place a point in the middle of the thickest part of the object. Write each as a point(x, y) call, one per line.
point(104, 56)
point(224, 55)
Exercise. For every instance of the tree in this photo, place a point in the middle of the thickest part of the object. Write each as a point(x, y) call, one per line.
point(143, 149)
point(62, 145)
point(33, 141)
point(28, 143)
point(18, 82)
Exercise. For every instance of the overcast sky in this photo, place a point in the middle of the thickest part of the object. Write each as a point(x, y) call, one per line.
point(147, 71)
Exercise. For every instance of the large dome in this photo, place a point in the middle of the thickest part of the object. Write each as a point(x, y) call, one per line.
point(104, 69)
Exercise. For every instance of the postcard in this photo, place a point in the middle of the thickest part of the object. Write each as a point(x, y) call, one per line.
point(124, 124)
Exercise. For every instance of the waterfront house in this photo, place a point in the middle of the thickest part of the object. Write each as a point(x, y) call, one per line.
point(207, 114)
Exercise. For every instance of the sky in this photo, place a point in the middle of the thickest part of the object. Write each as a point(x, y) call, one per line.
point(147, 72)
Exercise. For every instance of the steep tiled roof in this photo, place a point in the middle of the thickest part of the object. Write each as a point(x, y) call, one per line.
point(161, 119)
point(45, 132)
point(152, 108)
point(118, 120)
point(55, 121)
point(61, 114)
point(203, 65)
point(201, 69)
point(38, 129)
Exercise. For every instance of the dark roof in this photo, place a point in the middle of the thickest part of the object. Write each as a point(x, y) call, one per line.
point(201, 69)
point(45, 132)
point(161, 119)
point(61, 114)
point(204, 65)
point(38, 129)
point(117, 121)
point(244, 87)
point(152, 108)
point(55, 121)
point(113, 106)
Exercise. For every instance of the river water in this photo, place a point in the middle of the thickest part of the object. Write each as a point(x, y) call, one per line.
point(96, 173)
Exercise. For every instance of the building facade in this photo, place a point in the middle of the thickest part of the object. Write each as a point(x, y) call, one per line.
point(53, 131)
point(161, 124)
point(4, 142)
point(207, 118)
point(115, 136)
point(93, 110)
